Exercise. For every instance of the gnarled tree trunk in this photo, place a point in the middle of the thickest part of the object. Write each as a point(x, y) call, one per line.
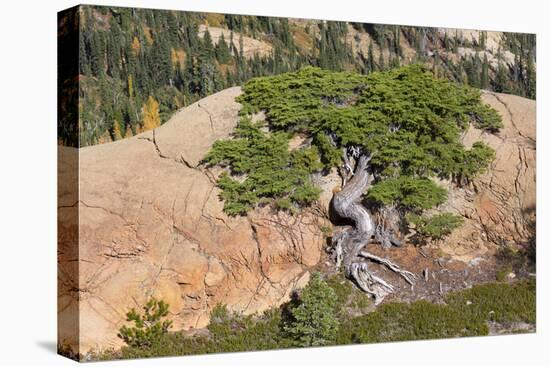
point(349, 244)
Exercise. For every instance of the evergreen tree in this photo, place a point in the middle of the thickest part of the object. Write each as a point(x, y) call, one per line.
point(83, 62)
point(160, 62)
point(313, 321)
point(96, 54)
point(172, 28)
point(421, 43)
point(388, 111)
point(241, 61)
point(455, 43)
point(485, 73)
point(435, 65)
point(397, 42)
point(371, 65)
point(207, 77)
point(222, 51)
point(113, 49)
point(501, 79)
point(473, 70)
point(482, 40)
point(207, 46)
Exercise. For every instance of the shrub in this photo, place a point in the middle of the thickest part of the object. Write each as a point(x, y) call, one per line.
point(465, 313)
point(499, 302)
point(322, 316)
point(402, 321)
point(149, 328)
point(232, 332)
point(349, 299)
point(437, 226)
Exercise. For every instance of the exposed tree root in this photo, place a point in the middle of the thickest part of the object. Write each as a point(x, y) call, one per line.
point(407, 275)
point(369, 282)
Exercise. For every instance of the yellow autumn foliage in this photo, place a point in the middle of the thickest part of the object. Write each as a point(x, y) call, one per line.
point(151, 117)
point(130, 86)
point(173, 57)
point(214, 19)
point(117, 135)
point(148, 34)
point(136, 46)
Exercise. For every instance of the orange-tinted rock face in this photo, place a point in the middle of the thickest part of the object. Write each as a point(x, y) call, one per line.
point(499, 207)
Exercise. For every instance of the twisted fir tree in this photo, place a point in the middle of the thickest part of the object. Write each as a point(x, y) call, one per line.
point(388, 133)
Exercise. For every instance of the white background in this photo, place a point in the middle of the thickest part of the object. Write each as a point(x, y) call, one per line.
point(28, 181)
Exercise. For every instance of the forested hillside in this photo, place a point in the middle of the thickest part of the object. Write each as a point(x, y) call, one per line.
point(138, 66)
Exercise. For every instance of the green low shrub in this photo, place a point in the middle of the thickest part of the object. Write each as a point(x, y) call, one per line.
point(499, 302)
point(436, 226)
point(402, 321)
point(323, 315)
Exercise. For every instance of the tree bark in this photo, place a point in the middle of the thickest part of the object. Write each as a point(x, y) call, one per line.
point(349, 243)
point(347, 201)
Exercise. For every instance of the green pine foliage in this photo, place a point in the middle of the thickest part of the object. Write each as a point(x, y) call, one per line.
point(410, 192)
point(313, 319)
point(465, 313)
point(436, 226)
point(409, 121)
point(149, 327)
point(270, 170)
point(314, 99)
